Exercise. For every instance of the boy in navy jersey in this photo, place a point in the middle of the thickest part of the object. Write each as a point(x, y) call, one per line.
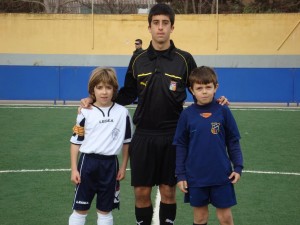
point(208, 154)
point(99, 135)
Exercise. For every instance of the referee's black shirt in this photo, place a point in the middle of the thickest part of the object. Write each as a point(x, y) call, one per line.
point(159, 80)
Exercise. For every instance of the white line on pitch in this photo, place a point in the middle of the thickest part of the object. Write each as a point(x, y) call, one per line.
point(62, 170)
point(155, 219)
point(271, 172)
point(37, 170)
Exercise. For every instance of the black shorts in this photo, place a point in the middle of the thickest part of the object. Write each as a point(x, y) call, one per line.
point(98, 177)
point(152, 159)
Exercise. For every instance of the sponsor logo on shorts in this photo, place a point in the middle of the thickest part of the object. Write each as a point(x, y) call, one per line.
point(82, 203)
point(170, 221)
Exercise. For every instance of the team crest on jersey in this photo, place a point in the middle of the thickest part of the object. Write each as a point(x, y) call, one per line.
point(115, 133)
point(205, 115)
point(215, 128)
point(173, 86)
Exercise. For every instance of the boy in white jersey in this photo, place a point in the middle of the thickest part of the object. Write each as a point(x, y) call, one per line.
point(99, 135)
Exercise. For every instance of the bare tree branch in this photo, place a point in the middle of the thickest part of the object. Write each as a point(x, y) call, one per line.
point(131, 6)
point(33, 1)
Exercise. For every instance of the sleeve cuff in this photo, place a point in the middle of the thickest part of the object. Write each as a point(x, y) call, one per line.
point(238, 169)
point(181, 177)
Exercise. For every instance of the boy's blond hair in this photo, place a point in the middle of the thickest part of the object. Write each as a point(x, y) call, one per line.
point(105, 75)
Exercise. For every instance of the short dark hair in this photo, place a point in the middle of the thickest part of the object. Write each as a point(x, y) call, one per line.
point(139, 41)
point(203, 75)
point(161, 9)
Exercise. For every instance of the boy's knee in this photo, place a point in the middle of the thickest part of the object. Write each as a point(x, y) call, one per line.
point(201, 219)
point(201, 215)
point(77, 217)
point(225, 216)
point(106, 218)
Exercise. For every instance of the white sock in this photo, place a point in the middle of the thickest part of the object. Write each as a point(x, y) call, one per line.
point(105, 219)
point(77, 219)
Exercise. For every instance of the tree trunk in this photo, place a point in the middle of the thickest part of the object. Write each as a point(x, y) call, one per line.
point(56, 7)
point(186, 6)
point(194, 7)
point(200, 7)
point(47, 6)
point(213, 7)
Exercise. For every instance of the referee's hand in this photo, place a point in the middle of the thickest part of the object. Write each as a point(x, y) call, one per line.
point(85, 103)
point(223, 100)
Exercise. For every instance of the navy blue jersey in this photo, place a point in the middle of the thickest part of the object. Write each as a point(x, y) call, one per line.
point(207, 145)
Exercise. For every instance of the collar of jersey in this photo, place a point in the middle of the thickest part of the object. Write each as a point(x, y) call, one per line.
point(168, 54)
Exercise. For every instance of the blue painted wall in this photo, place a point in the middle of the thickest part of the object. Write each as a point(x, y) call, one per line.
point(259, 84)
point(70, 83)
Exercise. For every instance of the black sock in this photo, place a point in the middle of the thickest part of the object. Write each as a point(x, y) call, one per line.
point(199, 224)
point(144, 215)
point(167, 213)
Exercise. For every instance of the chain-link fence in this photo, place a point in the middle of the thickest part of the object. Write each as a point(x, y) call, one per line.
point(143, 6)
point(77, 6)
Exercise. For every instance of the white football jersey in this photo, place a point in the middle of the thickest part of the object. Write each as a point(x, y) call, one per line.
point(103, 129)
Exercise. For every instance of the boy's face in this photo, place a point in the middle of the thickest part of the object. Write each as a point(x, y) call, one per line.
point(204, 93)
point(160, 29)
point(104, 94)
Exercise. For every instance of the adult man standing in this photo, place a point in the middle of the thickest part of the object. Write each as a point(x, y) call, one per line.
point(138, 43)
point(158, 77)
